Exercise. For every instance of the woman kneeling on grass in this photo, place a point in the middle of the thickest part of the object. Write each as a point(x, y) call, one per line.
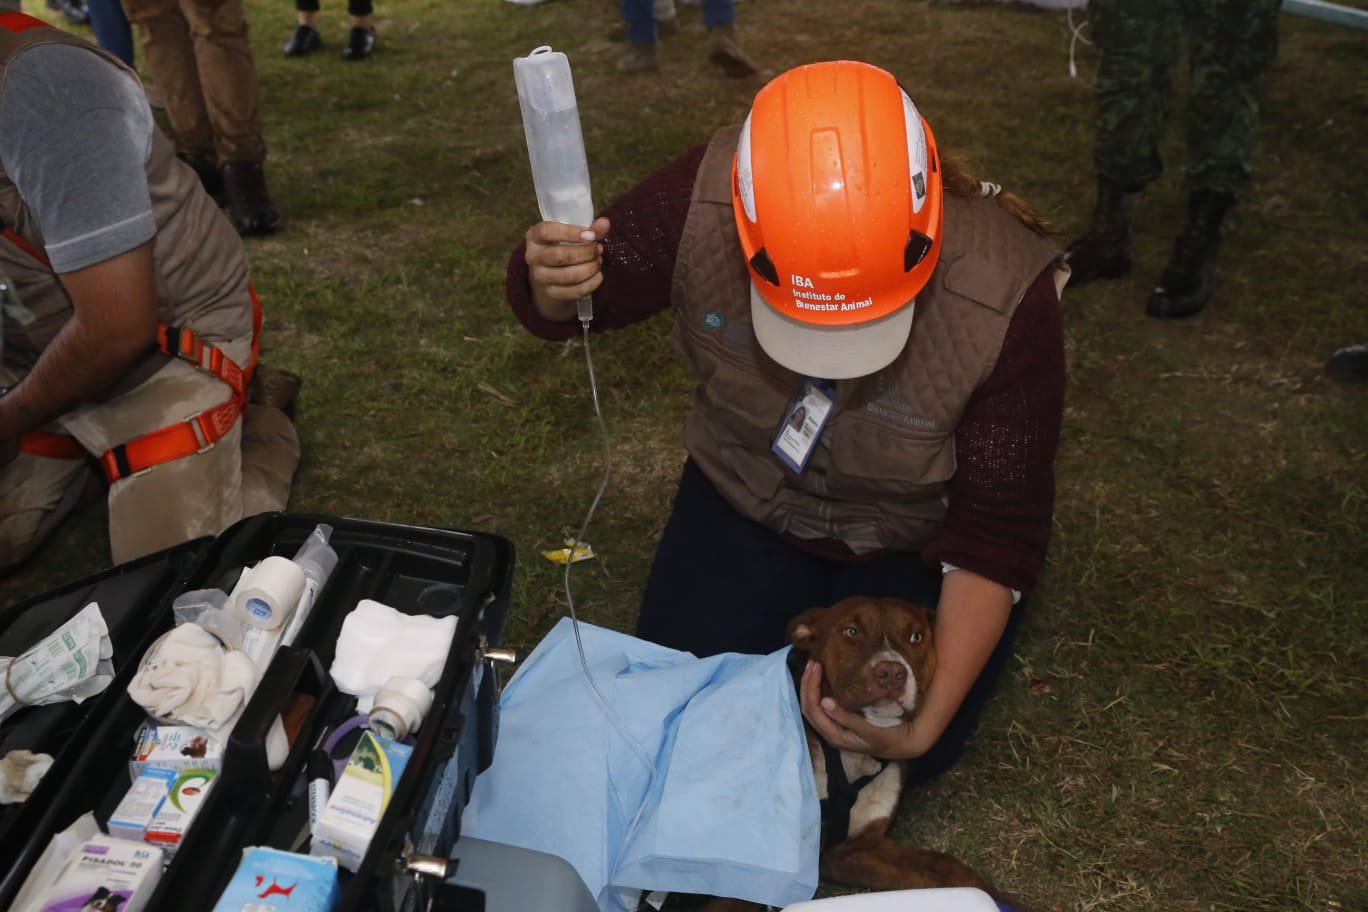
point(823, 255)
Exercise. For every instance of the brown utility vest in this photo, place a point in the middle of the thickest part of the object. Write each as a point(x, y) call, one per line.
point(201, 271)
point(878, 476)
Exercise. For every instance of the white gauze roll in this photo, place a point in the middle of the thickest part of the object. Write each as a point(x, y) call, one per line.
point(270, 591)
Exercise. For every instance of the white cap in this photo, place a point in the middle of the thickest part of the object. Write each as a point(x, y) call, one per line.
point(831, 352)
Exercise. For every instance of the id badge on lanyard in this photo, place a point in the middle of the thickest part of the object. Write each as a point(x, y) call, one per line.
point(804, 422)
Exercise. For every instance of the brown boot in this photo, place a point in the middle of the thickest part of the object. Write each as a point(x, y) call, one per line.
point(639, 58)
point(275, 387)
point(249, 202)
point(726, 52)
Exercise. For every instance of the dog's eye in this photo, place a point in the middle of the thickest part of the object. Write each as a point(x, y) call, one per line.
point(916, 636)
point(851, 631)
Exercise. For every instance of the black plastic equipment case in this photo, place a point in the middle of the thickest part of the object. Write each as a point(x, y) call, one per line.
point(413, 569)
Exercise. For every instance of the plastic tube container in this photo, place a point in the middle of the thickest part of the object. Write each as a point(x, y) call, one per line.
point(317, 559)
point(555, 145)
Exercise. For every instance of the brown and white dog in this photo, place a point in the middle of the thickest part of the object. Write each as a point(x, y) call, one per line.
point(877, 657)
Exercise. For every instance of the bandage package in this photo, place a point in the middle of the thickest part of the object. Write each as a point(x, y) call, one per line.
point(175, 747)
point(269, 879)
point(106, 873)
point(141, 803)
point(358, 800)
point(183, 801)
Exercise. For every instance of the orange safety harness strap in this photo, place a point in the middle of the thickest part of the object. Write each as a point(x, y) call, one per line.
point(17, 22)
point(51, 446)
point(18, 240)
point(199, 432)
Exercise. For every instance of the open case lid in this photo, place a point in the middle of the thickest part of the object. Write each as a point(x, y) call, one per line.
point(416, 570)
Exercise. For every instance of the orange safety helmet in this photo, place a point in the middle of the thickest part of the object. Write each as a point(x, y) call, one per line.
point(836, 189)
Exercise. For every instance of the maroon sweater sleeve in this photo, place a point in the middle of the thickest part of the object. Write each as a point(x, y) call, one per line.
point(1002, 494)
point(646, 224)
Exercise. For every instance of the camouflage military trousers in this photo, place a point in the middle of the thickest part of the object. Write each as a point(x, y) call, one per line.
point(1229, 43)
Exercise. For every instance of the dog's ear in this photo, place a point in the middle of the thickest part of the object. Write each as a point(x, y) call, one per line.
point(803, 630)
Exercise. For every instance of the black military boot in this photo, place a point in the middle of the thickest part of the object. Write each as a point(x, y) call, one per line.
point(1104, 250)
point(249, 202)
point(211, 178)
point(1190, 276)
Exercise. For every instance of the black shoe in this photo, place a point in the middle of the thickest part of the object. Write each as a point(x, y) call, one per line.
point(1349, 364)
point(208, 173)
point(249, 202)
point(1178, 295)
point(74, 11)
point(1190, 277)
point(360, 44)
point(303, 42)
point(1104, 250)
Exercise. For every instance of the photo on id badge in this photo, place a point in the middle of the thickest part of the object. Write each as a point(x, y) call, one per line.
point(802, 426)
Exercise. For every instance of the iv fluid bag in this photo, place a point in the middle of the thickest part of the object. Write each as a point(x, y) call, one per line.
point(555, 145)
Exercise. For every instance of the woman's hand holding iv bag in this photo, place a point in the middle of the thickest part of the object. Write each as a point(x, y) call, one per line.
point(563, 251)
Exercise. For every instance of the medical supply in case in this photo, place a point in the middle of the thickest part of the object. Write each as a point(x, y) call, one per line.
point(317, 559)
point(177, 812)
point(175, 747)
point(141, 803)
point(270, 593)
point(399, 707)
point(106, 874)
point(460, 578)
point(359, 798)
point(268, 879)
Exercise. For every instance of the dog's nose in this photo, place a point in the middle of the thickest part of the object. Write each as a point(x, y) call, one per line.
point(890, 675)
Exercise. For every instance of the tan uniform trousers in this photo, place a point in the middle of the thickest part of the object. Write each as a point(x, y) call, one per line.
point(201, 62)
point(248, 471)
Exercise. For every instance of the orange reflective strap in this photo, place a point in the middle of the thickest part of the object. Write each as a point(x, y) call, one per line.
point(174, 441)
point(256, 333)
point(18, 240)
point(51, 446)
point(19, 22)
point(183, 343)
point(197, 434)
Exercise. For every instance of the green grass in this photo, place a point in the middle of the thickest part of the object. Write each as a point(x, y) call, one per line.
point(1184, 724)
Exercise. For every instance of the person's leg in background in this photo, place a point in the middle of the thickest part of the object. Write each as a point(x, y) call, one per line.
point(1232, 43)
point(719, 18)
point(720, 582)
point(170, 57)
point(305, 39)
point(666, 17)
point(641, 34)
point(227, 76)
point(361, 38)
point(1138, 43)
point(111, 28)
